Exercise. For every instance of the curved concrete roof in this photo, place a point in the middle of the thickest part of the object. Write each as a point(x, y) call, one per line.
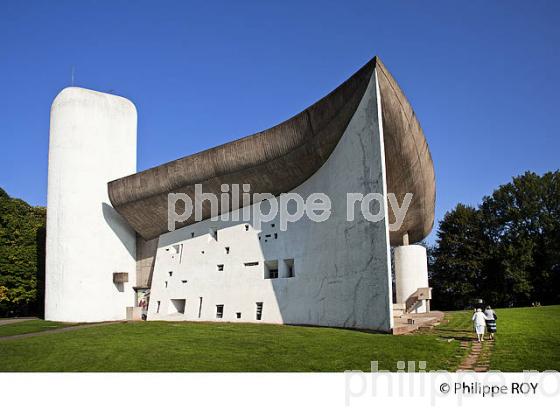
point(282, 157)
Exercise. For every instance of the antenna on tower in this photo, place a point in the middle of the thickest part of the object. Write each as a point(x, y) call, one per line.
point(72, 84)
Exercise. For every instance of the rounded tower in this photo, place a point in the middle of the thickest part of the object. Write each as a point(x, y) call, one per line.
point(90, 255)
point(411, 277)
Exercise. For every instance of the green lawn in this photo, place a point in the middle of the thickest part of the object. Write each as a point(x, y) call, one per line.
point(168, 346)
point(30, 326)
point(527, 338)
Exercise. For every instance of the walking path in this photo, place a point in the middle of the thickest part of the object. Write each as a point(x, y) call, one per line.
point(59, 330)
point(478, 359)
point(16, 320)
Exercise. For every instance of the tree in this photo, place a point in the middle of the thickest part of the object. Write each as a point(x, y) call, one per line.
point(21, 251)
point(457, 260)
point(506, 251)
point(523, 220)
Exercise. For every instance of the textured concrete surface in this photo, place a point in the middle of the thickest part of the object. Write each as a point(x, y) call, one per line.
point(411, 273)
point(92, 141)
point(341, 269)
point(145, 258)
point(361, 138)
point(281, 158)
point(409, 163)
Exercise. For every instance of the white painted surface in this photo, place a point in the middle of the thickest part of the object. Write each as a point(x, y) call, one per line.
point(411, 272)
point(341, 269)
point(92, 141)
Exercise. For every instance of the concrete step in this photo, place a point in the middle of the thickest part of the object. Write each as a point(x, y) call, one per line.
point(403, 329)
point(399, 309)
point(412, 322)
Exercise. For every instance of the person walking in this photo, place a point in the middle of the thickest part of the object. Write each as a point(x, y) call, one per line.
point(479, 321)
point(491, 318)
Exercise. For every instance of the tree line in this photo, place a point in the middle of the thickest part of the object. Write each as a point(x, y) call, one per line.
point(505, 251)
point(22, 257)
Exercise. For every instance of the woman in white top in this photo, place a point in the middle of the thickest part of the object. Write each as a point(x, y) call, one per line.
point(479, 320)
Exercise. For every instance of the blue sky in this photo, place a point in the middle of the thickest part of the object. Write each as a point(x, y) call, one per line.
point(481, 75)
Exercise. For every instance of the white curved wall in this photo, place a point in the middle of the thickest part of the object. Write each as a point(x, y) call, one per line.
point(341, 268)
point(411, 272)
point(92, 141)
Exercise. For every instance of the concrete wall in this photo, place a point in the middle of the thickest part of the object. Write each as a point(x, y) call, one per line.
point(92, 141)
point(341, 269)
point(145, 258)
point(411, 272)
point(281, 158)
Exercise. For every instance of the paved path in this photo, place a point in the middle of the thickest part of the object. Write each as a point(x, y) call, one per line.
point(16, 320)
point(478, 359)
point(59, 330)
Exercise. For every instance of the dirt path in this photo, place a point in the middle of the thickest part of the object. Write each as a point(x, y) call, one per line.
point(478, 359)
point(59, 330)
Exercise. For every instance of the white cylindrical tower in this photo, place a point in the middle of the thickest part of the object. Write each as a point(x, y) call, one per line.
point(92, 141)
point(411, 273)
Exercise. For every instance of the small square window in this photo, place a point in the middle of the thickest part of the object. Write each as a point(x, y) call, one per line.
point(219, 311)
point(271, 269)
point(220, 268)
point(238, 314)
point(176, 306)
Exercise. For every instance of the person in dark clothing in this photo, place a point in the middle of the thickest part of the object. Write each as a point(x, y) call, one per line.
point(491, 318)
